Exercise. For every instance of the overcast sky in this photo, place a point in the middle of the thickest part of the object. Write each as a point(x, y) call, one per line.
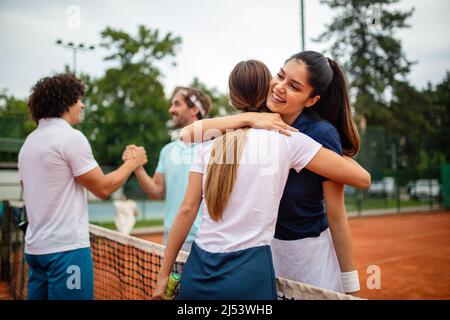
point(216, 34)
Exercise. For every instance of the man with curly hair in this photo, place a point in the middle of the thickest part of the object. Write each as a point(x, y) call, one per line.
point(56, 166)
point(172, 173)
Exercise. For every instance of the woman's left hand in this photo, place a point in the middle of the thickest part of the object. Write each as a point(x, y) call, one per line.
point(269, 121)
point(160, 291)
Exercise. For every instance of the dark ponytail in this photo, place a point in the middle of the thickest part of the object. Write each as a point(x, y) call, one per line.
point(329, 82)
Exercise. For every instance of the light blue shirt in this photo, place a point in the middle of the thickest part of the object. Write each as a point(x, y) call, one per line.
point(174, 163)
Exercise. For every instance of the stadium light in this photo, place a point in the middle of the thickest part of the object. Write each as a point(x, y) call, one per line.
point(80, 47)
point(302, 24)
point(75, 49)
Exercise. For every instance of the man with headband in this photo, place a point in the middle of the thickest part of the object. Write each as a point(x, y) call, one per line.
point(172, 173)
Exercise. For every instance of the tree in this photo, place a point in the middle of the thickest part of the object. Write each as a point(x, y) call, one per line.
point(220, 103)
point(363, 41)
point(15, 125)
point(421, 121)
point(127, 105)
point(439, 116)
point(410, 130)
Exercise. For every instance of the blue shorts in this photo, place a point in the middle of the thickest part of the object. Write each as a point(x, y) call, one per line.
point(67, 275)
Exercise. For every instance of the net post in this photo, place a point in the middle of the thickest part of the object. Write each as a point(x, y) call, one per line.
point(5, 245)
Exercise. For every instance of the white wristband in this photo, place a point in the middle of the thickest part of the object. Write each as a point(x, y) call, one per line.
point(350, 281)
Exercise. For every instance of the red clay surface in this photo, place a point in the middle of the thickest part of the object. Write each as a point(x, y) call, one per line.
point(411, 250)
point(5, 292)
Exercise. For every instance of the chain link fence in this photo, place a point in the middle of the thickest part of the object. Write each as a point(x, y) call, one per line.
point(396, 185)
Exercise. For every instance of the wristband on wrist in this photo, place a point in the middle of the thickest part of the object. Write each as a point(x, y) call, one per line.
point(350, 281)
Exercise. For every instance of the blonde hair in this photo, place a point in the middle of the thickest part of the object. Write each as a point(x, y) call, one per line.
point(222, 170)
point(248, 84)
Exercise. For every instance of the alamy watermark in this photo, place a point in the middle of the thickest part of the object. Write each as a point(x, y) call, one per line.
point(264, 151)
point(374, 279)
point(74, 280)
point(373, 14)
point(73, 21)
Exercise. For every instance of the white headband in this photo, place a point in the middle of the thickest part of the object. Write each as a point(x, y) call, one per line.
point(194, 101)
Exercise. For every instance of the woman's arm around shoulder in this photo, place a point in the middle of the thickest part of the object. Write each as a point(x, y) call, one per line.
point(340, 169)
point(207, 129)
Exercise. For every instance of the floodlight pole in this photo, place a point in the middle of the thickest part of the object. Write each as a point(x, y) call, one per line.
point(302, 24)
point(74, 48)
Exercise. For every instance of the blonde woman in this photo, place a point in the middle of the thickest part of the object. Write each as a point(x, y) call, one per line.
point(313, 242)
point(240, 177)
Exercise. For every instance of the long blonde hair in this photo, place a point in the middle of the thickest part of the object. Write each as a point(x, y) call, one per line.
point(249, 85)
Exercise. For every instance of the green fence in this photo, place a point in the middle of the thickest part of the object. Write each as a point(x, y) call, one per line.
point(445, 174)
point(400, 180)
point(397, 182)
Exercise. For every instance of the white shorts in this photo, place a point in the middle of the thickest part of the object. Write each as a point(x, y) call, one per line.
point(311, 260)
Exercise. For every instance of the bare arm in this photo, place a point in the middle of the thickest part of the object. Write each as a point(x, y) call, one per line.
point(204, 130)
point(333, 193)
point(103, 185)
point(154, 187)
point(340, 169)
point(180, 229)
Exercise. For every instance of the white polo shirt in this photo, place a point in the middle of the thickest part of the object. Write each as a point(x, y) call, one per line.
point(49, 160)
point(251, 212)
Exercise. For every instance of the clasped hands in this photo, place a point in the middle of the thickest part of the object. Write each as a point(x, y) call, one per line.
point(135, 154)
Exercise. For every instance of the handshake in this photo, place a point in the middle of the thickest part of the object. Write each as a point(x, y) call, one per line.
point(135, 154)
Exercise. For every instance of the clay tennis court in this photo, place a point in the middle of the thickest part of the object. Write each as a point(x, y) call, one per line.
point(412, 251)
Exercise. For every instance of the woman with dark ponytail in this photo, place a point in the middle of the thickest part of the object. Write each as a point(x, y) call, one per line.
point(312, 244)
point(240, 177)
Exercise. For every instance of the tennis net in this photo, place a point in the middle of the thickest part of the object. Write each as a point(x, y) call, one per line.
point(125, 267)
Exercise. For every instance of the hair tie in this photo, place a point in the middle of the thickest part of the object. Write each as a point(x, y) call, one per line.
point(330, 62)
point(252, 109)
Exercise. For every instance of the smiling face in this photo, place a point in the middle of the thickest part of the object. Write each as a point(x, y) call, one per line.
point(182, 115)
point(290, 91)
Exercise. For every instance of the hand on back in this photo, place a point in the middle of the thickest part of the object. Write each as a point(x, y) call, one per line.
point(270, 121)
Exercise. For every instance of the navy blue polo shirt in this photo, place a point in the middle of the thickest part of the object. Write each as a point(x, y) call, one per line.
point(302, 212)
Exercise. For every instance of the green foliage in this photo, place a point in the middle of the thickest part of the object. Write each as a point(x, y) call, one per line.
point(373, 151)
point(438, 116)
point(407, 129)
point(418, 134)
point(363, 42)
point(420, 127)
point(15, 125)
point(220, 102)
point(15, 121)
point(127, 105)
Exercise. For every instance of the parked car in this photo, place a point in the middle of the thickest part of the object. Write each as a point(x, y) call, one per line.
point(425, 188)
point(384, 187)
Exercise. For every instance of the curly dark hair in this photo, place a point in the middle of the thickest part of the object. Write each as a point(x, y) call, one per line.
point(52, 96)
